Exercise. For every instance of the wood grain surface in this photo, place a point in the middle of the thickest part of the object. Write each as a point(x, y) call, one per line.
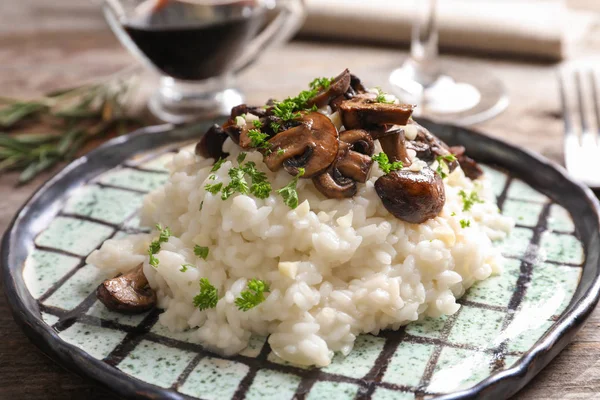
point(46, 45)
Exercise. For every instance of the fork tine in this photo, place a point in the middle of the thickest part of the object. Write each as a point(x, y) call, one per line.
point(580, 103)
point(564, 104)
point(595, 99)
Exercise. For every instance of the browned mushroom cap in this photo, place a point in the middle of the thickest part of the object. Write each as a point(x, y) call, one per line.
point(128, 293)
point(363, 112)
point(211, 144)
point(338, 87)
point(411, 196)
point(356, 84)
point(332, 183)
point(359, 141)
point(312, 145)
point(467, 164)
point(428, 147)
point(245, 109)
point(393, 143)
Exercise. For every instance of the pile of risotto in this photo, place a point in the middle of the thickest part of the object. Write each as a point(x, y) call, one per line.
point(311, 265)
point(334, 268)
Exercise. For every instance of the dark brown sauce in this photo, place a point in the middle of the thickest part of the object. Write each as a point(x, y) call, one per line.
point(195, 52)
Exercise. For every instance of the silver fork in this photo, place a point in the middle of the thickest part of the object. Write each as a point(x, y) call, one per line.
point(582, 139)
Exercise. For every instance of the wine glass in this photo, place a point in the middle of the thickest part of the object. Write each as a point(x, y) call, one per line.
point(443, 91)
point(199, 46)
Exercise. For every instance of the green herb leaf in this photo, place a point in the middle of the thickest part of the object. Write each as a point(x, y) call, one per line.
point(154, 248)
point(258, 139)
point(469, 199)
point(201, 251)
point(275, 127)
point(201, 205)
point(238, 183)
point(208, 296)
point(185, 267)
point(261, 187)
point(217, 165)
point(290, 108)
point(19, 111)
point(385, 165)
point(465, 223)
point(153, 260)
point(257, 124)
point(442, 168)
point(321, 83)
point(213, 188)
point(289, 193)
point(253, 296)
point(381, 97)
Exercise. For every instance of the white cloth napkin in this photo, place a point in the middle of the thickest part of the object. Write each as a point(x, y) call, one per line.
point(517, 27)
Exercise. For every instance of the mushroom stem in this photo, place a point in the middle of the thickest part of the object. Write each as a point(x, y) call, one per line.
point(394, 145)
point(355, 166)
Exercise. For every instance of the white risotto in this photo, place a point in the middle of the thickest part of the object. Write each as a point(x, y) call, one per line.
point(336, 268)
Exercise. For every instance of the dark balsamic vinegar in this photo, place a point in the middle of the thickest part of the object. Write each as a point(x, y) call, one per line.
point(191, 48)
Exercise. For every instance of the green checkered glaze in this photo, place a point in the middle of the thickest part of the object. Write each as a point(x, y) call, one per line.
point(500, 319)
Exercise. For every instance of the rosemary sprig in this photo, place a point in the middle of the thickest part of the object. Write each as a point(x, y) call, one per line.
point(64, 121)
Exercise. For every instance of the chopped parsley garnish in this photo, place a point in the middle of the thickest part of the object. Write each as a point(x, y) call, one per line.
point(185, 267)
point(381, 97)
point(465, 223)
point(453, 214)
point(384, 163)
point(154, 248)
point(253, 296)
point(289, 193)
point(319, 83)
point(217, 165)
point(442, 166)
point(275, 126)
point(153, 260)
point(469, 199)
point(290, 108)
point(208, 296)
point(258, 139)
point(238, 183)
point(201, 252)
point(201, 205)
point(280, 152)
point(257, 124)
point(213, 188)
point(261, 187)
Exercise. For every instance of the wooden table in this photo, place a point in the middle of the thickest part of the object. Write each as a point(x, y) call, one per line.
point(47, 45)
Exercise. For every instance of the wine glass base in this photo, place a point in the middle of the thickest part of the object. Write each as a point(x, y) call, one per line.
point(459, 95)
point(179, 103)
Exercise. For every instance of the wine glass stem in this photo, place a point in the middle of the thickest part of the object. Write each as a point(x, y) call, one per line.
point(424, 42)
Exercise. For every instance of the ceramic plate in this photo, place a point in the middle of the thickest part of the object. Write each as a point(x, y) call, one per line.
point(508, 328)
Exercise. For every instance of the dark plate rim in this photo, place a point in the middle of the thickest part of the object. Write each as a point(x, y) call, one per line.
point(500, 385)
